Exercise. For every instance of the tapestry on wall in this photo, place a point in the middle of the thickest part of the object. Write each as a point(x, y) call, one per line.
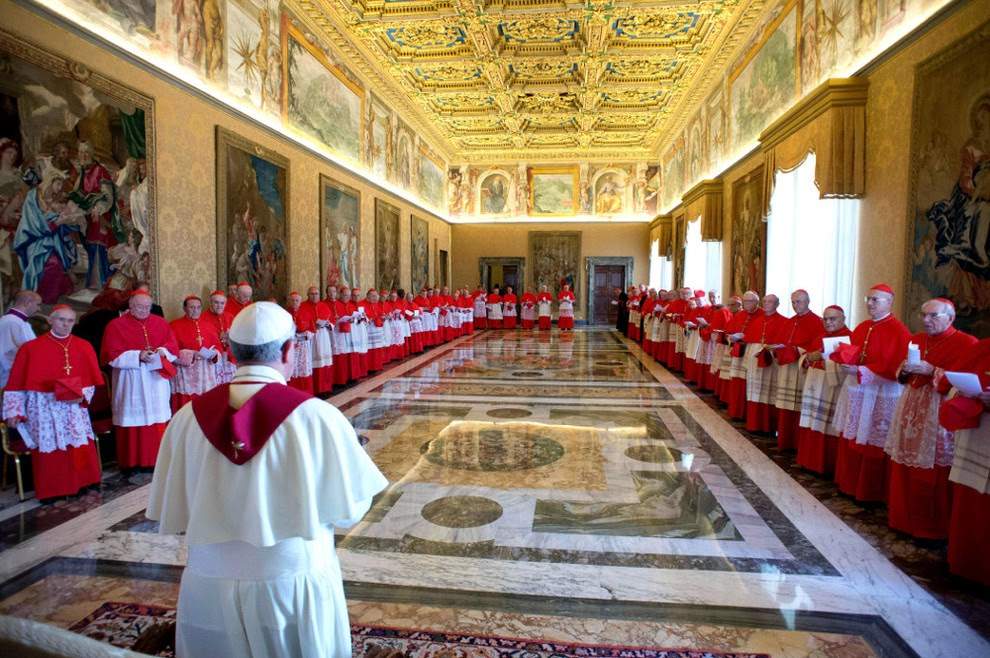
point(386, 246)
point(420, 257)
point(555, 256)
point(252, 212)
point(340, 228)
point(949, 234)
point(77, 194)
point(749, 235)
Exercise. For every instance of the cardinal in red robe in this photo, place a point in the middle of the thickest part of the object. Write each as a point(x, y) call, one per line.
point(199, 350)
point(803, 334)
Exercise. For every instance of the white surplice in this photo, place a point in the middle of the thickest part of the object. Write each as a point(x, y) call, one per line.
point(14, 332)
point(141, 396)
point(262, 579)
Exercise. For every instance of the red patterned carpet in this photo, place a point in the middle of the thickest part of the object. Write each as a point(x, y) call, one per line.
point(122, 624)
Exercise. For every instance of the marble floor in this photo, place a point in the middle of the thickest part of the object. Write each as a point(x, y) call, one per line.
point(557, 487)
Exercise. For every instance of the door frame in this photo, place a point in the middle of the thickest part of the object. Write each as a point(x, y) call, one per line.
point(589, 263)
point(485, 264)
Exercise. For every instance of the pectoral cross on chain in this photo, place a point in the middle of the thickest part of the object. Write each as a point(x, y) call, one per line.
point(237, 446)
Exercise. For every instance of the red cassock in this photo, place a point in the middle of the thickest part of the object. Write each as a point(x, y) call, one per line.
point(220, 324)
point(466, 304)
point(341, 360)
point(566, 322)
point(743, 322)
point(416, 344)
point(234, 307)
point(322, 376)
point(39, 364)
point(690, 365)
point(446, 303)
point(493, 323)
point(767, 330)
point(861, 468)
point(969, 525)
point(509, 321)
point(803, 332)
point(359, 361)
point(304, 323)
point(919, 499)
point(668, 352)
point(137, 446)
point(543, 321)
point(632, 329)
point(718, 319)
point(647, 309)
point(376, 323)
point(422, 302)
point(193, 335)
point(816, 451)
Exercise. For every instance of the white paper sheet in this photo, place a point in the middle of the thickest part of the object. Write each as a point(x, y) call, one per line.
point(966, 383)
point(832, 343)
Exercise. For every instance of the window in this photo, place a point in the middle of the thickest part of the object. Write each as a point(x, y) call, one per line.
point(661, 269)
point(702, 260)
point(811, 242)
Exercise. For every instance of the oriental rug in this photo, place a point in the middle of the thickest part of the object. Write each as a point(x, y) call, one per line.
point(122, 624)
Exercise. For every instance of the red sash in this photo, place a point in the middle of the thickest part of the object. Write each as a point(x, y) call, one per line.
point(240, 434)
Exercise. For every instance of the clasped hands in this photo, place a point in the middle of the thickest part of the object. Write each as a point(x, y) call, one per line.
point(920, 368)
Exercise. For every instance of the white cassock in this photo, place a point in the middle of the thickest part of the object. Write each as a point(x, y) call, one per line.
point(262, 579)
point(14, 332)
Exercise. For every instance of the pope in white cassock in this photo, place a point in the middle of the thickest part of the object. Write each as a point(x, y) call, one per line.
point(257, 474)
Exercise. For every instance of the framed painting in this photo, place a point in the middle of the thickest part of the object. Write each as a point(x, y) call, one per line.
point(430, 181)
point(318, 98)
point(402, 174)
point(949, 206)
point(77, 179)
point(494, 191)
point(749, 235)
point(766, 80)
point(252, 216)
point(554, 191)
point(386, 246)
point(610, 192)
point(555, 258)
point(379, 138)
point(340, 234)
point(419, 244)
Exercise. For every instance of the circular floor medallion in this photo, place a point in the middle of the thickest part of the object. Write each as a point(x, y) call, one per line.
point(654, 453)
point(491, 450)
point(507, 412)
point(462, 511)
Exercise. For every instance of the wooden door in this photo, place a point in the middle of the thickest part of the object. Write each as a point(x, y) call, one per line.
point(607, 279)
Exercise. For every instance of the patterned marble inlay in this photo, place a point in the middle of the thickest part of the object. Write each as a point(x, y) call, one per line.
point(508, 413)
point(462, 511)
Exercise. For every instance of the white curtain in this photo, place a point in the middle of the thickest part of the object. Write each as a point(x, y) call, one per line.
point(811, 242)
point(702, 260)
point(661, 269)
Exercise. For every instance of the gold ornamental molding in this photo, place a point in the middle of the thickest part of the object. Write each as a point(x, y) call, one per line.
point(831, 123)
point(664, 225)
point(704, 201)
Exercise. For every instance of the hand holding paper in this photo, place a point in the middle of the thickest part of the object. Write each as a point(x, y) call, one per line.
point(966, 383)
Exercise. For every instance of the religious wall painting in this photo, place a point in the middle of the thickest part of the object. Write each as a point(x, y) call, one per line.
point(673, 174)
point(841, 27)
point(948, 243)
point(610, 192)
point(76, 153)
point(430, 180)
point(555, 258)
point(749, 234)
point(252, 216)
point(696, 151)
point(649, 194)
point(404, 141)
point(136, 17)
point(766, 81)
point(494, 193)
point(810, 62)
point(715, 121)
point(197, 33)
point(386, 245)
point(340, 234)
point(318, 97)
point(419, 243)
point(254, 70)
point(378, 138)
point(553, 191)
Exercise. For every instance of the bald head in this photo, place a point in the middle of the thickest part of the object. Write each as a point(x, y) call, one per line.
point(800, 301)
point(244, 293)
point(770, 304)
point(27, 302)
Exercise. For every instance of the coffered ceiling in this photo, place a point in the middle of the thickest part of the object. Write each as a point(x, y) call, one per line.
point(538, 80)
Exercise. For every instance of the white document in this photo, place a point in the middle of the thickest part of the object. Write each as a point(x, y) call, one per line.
point(966, 383)
point(913, 355)
point(832, 343)
point(207, 353)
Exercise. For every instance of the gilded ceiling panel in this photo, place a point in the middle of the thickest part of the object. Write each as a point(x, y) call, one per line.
point(543, 79)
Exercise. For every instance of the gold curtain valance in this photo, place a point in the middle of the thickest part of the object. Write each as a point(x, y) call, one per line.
point(665, 236)
point(831, 122)
point(704, 200)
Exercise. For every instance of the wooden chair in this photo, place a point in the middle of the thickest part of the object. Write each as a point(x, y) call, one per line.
point(14, 448)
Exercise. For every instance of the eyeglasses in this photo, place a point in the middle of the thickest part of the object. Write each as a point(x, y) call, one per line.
point(873, 299)
point(931, 316)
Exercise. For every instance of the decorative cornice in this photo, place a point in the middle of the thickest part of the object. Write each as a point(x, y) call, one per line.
point(833, 93)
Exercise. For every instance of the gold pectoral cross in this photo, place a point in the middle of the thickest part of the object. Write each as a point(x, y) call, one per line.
point(237, 445)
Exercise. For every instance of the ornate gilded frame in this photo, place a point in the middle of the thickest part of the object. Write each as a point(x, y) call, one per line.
point(534, 172)
point(228, 139)
point(74, 70)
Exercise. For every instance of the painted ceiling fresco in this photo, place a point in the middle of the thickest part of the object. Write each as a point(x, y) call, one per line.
point(534, 80)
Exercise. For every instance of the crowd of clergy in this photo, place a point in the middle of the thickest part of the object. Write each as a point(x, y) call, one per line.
point(894, 417)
